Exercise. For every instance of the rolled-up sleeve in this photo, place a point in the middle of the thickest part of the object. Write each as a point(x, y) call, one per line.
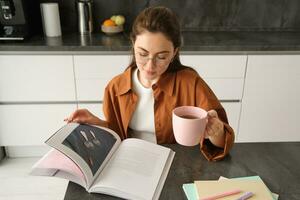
point(206, 99)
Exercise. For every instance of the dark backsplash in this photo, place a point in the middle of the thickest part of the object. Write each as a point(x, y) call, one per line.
point(198, 15)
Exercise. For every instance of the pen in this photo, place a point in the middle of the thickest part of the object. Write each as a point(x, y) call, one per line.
point(245, 196)
point(224, 194)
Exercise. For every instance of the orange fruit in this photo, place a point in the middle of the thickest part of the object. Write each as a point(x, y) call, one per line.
point(109, 22)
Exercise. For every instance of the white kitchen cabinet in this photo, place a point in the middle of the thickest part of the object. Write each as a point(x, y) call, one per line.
point(233, 110)
point(93, 72)
point(31, 124)
point(36, 78)
point(223, 73)
point(36, 93)
point(270, 105)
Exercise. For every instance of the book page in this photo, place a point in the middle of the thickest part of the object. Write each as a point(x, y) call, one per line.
point(135, 170)
point(90, 147)
point(56, 164)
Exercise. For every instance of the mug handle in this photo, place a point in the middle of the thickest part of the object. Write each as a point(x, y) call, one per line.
point(206, 118)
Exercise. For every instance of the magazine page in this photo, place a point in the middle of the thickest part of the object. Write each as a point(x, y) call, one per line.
point(56, 164)
point(137, 170)
point(88, 146)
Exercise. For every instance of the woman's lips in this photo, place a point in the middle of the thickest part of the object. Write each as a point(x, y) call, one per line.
point(150, 72)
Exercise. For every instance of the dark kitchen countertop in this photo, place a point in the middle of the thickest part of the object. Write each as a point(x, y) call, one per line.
point(276, 163)
point(193, 42)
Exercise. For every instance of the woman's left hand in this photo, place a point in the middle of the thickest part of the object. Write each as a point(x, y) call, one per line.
point(214, 129)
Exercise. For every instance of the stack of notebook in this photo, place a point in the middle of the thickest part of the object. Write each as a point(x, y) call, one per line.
point(251, 187)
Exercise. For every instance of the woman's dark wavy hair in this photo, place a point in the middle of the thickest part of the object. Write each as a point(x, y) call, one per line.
point(158, 20)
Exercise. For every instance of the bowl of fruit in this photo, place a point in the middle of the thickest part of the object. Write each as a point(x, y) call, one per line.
point(113, 25)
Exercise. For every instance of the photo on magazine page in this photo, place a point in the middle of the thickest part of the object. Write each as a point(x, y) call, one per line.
point(91, 143)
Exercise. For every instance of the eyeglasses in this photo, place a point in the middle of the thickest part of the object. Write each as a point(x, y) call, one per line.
point(158, 61)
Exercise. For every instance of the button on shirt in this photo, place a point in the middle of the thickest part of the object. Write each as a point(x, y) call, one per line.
point(182, 88)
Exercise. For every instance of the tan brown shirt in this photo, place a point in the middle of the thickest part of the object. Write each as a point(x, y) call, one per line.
point(184, 87)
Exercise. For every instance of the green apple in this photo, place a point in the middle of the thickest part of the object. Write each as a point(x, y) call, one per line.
point(113, 18)
point(119, 20)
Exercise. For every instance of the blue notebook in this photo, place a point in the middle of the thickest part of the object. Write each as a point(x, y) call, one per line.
point(191, 191)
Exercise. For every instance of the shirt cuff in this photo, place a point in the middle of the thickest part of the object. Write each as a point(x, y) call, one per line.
point(213, 153)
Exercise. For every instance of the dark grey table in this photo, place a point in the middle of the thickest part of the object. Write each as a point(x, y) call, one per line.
point(278, 164)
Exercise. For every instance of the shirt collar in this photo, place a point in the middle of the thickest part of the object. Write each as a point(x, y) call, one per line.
point(165, 83)
point(125, 82)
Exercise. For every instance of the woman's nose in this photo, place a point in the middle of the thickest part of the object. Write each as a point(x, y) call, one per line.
point(150, 63)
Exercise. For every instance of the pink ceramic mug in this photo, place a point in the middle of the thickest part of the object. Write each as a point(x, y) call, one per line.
point(189, 124)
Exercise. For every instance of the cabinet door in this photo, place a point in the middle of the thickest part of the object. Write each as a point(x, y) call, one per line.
point(92, 73)
point(233, 114)
point(36, 78)
point(223, 73)
point(270, 107)
point(31, 124)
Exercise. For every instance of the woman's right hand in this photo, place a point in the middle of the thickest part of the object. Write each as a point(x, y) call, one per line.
point(84, 116)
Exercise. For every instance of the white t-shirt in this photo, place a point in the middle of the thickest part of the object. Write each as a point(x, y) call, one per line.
point(142, 122)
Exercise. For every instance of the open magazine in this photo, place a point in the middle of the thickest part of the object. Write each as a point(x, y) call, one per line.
point(96, 158)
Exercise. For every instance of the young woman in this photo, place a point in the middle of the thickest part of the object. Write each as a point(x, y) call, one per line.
point(139, 102)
